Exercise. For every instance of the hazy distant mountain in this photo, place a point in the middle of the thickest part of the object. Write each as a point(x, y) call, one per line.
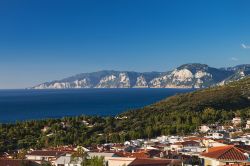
point(192, 75)
point(239, 72)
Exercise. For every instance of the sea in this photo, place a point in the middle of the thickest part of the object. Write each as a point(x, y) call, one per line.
point(21, 105)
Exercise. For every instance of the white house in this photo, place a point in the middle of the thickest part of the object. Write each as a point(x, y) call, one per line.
point(163, 139)
point(215, 135)
point(243, 139)
point(67, 161)
point(224, 155)
point(174, 139)
point(136, 142)
point(236, 121)
point(44, 155)
point(119, 161)
point(204, 128)
point(248, 124)
point(208, 143)
point(187, 146)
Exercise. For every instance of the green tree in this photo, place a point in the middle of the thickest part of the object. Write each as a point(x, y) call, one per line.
point(95, 161)
point(22, 154)
point(79, 155)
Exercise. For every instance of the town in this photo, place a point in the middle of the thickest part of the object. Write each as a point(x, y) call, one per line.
point(211, 144)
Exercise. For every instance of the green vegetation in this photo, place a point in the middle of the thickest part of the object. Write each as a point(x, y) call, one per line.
point(81, 156)
point(180, 114)
point(95, 161)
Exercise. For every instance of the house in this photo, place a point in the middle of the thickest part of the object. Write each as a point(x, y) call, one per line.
point(44, 155)
point(127, 143)
point(192, 147)
point(208, 143)
point(174, 139)
point(142, 154)
point(136, 142)
point(248, 124)
point(215, 135)
point(155, 162)
point(101, 154)
point(226, 128)
point(45, 129)
point(149, 143)
point(241, 140)
point(67, 161)
point(185, 146)
point(222, 155)
point(163, 139)
point(83, 148)
point(123, 161)
point(176, 146)
point(119, 161)
point(236, 121)
point(204, 128)
point(117, 147)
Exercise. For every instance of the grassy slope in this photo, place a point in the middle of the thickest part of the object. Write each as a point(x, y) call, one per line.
point(229, 97)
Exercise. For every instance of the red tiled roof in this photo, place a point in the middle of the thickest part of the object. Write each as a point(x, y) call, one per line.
point(244, 147)
point(46, 153)
point(193, 138)
point(134, 155)
point(186, 143)
point(62, 148)
point(12, 162)
point(229, 152)
point(220, 140)
point(177, 143)
point(150, 162)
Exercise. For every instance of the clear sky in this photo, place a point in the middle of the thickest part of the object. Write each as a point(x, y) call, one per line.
point(44, 40)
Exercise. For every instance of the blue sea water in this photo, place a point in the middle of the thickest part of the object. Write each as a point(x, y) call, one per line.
point(19, 105)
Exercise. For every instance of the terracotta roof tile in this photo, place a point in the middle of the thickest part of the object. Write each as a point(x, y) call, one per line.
point(186, 143)
point(134, 155)
point(193, 138)
point(46, 153)
point(229, 152)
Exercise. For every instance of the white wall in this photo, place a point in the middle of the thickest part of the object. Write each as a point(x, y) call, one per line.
point(119, 161)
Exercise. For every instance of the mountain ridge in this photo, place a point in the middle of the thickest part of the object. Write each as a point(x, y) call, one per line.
point(190, 75)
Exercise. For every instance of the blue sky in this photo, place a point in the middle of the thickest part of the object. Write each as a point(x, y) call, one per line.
point(43, 40)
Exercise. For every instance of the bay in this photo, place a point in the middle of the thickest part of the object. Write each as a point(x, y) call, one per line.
point(19, 105)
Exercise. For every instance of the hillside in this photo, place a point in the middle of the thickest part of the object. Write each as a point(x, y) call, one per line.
point(192, 75)
point(233, 96)
point(184, 112)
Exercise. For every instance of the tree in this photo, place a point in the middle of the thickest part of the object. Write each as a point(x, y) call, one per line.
point(95, 161)
point(22, 154)
point(79, 156)
point(46, 163)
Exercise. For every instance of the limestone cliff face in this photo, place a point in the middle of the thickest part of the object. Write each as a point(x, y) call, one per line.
point(141, 82)
point(186, 76)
